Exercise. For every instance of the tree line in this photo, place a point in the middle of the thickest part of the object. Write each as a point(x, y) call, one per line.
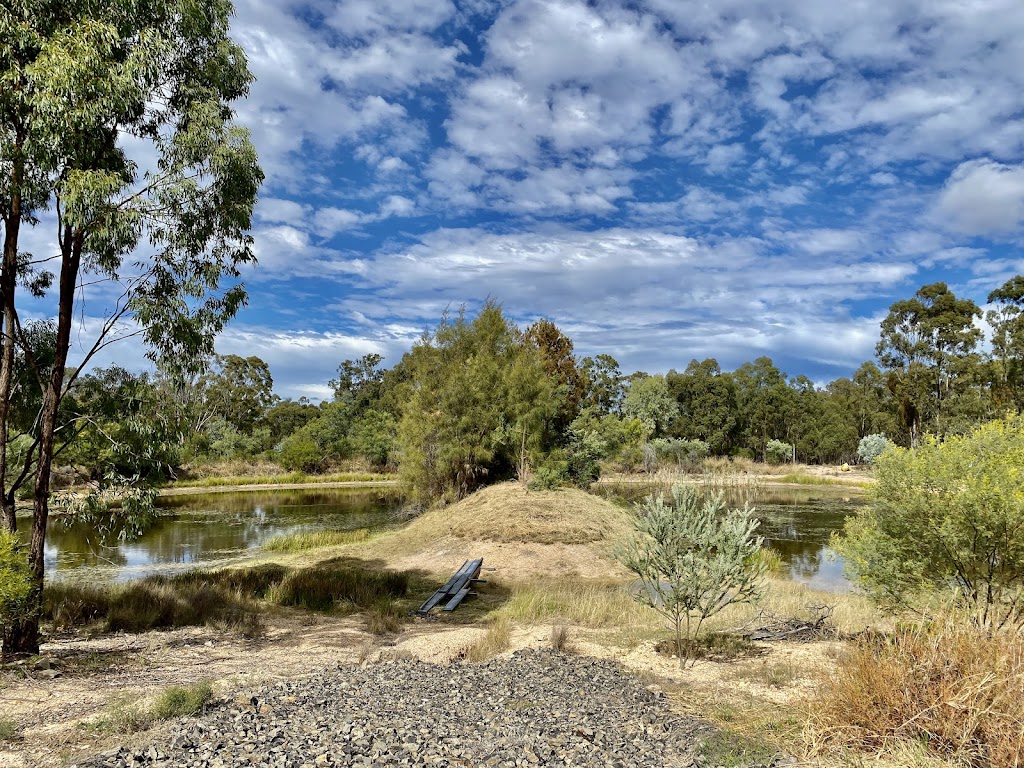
point(478, 399)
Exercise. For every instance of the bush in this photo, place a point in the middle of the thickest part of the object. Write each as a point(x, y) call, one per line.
point(300, 453)
point(549, 477)
point(15, 579)
point(686, 454)
point(946, 685)
point(949, 514)
point(778, 452)
point(693, 559)
point(871, 447)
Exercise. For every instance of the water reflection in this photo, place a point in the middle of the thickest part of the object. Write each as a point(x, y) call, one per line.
point(796, 523)
point(211, 530)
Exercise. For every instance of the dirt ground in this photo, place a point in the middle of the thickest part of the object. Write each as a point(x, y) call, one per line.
point(53, 707)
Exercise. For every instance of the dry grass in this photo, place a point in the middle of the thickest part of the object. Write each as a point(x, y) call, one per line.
point(593, 603)
point(496, 640)
point(947, 685)
point(508, 512)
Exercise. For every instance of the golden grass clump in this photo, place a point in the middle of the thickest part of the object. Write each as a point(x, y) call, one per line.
point(947, 685)
point(508, 512)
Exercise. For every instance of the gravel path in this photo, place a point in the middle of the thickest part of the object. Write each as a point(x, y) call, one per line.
point(535, 708)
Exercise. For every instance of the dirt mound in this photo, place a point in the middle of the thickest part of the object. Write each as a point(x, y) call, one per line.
point(521, 532)
point(510, 513)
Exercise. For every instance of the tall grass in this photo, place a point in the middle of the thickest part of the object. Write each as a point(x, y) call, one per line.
point(233, 598)
point(947, 685)
point(300, 542)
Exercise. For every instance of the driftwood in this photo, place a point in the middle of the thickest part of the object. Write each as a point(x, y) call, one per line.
point(767, 627)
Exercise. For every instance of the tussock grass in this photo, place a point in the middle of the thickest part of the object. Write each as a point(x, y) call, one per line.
point(284, 478)
point(232, 598)
point(300, 542)
point(179, 701)
point(385, 618)
point(327, 587)
point(947, 685)
point(8, 730)
point(499, 633)
point(128, 714)
point(508, 512)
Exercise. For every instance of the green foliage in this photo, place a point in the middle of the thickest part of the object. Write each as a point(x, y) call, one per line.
point(118, 506)
point(648, 400)
point(478, 401)
point(949, 514)
point(871, 447)
point(693, 558)
point(374, 437)
point(549, 477)
point(778, 452)
point(301, 453)
point(685, 454)
point(15, 578)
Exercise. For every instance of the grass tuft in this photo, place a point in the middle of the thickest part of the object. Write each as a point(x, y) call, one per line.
point(496, 640)
point(179, 701)
point(328, 587)
point(946, 685)
point(8, 730)
point(299, 542)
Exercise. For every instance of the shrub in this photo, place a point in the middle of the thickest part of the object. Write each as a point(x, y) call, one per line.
point(949, 514)
point(947, 685)
point(693, 559)
point(300, 453)
point(778, 452)
point(15, 579)
point(686, 454)
point(871, 447)
point(549, 477)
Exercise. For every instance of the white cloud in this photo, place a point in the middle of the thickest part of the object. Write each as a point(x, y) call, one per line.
point(983, 197)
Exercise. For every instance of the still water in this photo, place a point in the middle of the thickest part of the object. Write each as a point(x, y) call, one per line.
point(796, 523)
point(219, 529)
point(209, 530)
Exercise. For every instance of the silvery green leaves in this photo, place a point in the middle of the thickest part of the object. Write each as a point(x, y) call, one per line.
point(693, 558)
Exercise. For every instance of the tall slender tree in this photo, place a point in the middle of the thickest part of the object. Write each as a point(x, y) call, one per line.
point(79, 79)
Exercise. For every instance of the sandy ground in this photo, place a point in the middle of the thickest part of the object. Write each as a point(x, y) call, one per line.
point(53, 714)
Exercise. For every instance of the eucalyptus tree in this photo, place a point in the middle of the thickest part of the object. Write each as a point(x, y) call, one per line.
point(925, 341)
point(116, 130)
point(1007, 321)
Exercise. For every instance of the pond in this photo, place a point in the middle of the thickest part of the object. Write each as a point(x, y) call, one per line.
point(210, 530)
point(795, 522)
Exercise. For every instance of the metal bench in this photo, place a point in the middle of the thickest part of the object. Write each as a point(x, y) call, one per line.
point(456, 589)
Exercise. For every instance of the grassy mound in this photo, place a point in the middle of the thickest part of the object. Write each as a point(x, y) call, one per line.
point(510, 513)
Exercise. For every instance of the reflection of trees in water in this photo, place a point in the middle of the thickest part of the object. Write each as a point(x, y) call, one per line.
point(797, 523)
point(202, 528)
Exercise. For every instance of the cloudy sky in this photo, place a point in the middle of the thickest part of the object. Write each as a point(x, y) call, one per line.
point(664, 179)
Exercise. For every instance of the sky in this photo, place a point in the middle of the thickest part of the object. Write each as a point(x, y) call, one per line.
point(665, 180)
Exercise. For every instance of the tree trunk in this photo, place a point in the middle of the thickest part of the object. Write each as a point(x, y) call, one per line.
point(23, 636)
point(8, 284)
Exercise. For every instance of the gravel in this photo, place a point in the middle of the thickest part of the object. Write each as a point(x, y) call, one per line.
point(533, 708)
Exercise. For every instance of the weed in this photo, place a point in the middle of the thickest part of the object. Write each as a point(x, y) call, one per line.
point(8, 730)
point(178, 701)
point(772, 675)
point(124, 715)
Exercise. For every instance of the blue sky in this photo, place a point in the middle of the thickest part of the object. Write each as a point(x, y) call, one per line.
point(665, 180)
